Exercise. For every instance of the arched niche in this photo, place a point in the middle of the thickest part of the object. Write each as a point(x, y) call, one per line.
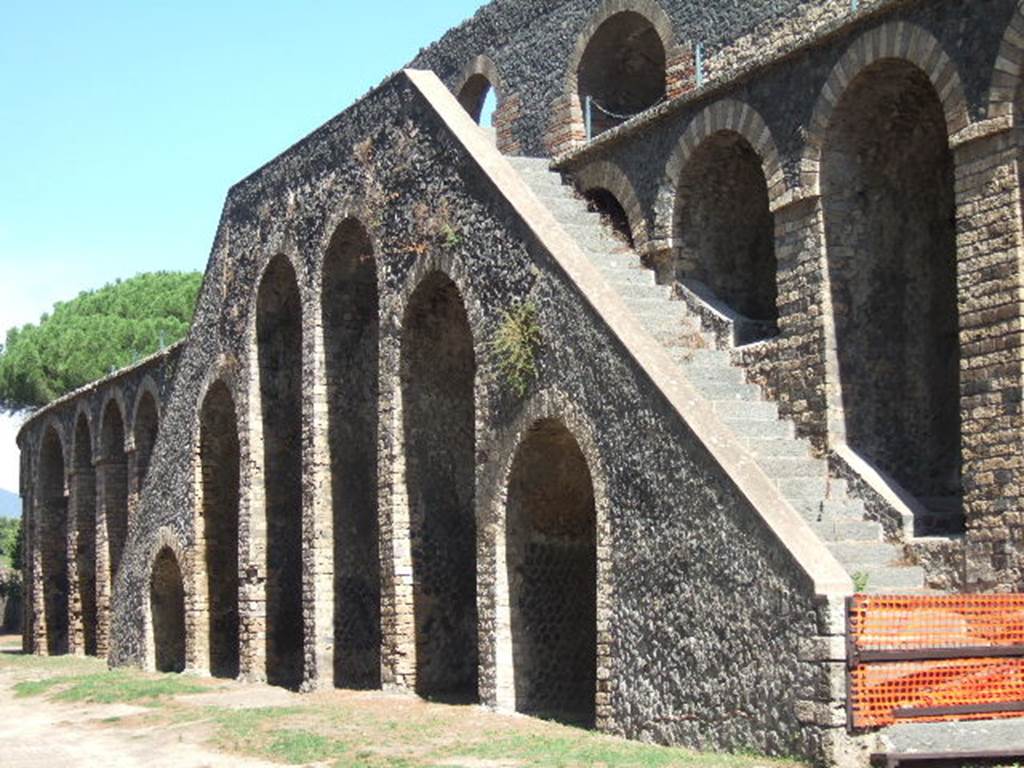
point(437, 371)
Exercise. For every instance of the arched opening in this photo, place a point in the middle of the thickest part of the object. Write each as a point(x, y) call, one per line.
point(480, 99)
point(279, 339)
point(551, 556)
point(622, 71)
point(167, 607)
point(350, 326)
point(889, 206)
point(725, 230)
point(53, 520)
point(605, 204)
point(438, 369)
point(114, 481)
point(219, 454)
point(84, 495)
point(146, 425)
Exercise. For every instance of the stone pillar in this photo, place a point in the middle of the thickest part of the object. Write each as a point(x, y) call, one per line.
point(792, 368)
point(76, 629)
point(989, 245)
point(34, 565)
point(317, 517)
point(28, 572)
point(398, 624)
point(110, 480)
point(496, 678)
point(252, 533)
point(680, 72)
point(135, 469)
point(505, 117)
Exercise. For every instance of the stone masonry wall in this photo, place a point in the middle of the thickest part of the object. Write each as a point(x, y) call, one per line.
point(783, 107)
point(75, 423)
point(698, 607)
point(703, 632)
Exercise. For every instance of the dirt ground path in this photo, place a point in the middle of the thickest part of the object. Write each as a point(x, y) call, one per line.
point(35, 733)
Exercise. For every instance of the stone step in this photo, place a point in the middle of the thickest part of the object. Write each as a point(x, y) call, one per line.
point(839, 507)
point(718, 389)
point(774, 439)
point(984, 742)
point(633, 274)
point(522, 163)
point(894, 580)
point(640, 290)
point(703, 358)
point(847, 529)
point(564, 208)
point(610, 258)
point(868, 556)
point(826, 508)
point(788, 461)
point(793, 466)
point(737, 410)
point(712, 373)
point(803, 492)
point(547, 184)
point(591, 237)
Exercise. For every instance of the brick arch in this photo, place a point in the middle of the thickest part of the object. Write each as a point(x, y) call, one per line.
point(1009, 68)
point(550, 404)
point(607, 175)
point(451, 268)
point(145, 429)
point(348, 360)
point(82, 521)
point(212, 651)
point(485, 66)
point(148, 386)
point(167, 539)
point(727, 115)
point(116, 396)
point(52, 422)
point(356, 210)
point(49, 540)
point(276, 403)
point(82, 410)
point(436, 436)
point(899, 41)
point(568, 127)
point(270, 256)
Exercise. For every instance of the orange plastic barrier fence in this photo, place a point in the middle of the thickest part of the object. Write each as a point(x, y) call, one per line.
point(927, 658)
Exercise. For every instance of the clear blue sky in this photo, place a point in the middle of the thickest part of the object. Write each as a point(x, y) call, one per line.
point(123, 123)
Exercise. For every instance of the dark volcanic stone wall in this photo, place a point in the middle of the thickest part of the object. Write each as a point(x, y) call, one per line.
point(532, 45)
point(700, 611)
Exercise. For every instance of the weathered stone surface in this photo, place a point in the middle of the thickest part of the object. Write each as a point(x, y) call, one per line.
point(354, 495)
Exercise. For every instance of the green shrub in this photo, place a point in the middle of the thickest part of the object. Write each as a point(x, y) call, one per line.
point(516, 346)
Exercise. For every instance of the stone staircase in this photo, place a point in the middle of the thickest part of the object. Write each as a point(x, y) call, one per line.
point(858, 544)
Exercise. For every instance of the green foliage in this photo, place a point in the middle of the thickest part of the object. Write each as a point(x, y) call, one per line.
point(516, 346)
point(10, 542)
point(90, 336)
point(860, 581)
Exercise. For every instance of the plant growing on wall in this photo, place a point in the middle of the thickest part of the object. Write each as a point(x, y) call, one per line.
point(516, 346)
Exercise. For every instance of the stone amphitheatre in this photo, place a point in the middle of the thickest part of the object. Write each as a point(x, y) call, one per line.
point(605, 413)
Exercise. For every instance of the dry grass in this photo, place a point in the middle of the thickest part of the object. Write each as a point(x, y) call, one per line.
point(339, 728)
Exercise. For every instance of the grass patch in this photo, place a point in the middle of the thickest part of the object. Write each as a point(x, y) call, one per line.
point(115, 687)
point(584, 748)
point(342, 729)
point(34, 687)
